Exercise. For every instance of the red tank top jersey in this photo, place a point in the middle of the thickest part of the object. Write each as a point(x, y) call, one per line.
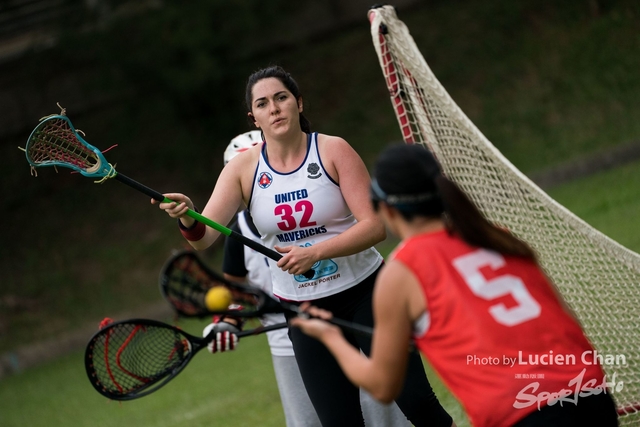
point(495, 331)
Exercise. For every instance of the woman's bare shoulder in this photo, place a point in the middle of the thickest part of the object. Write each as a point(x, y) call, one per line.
point(324, 139)
point(335, 148)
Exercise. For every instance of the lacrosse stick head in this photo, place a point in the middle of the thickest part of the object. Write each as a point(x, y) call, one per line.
point(55, 142)
point(132, 358)
point(185, 280)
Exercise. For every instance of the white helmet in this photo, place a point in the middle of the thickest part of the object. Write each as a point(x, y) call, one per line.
point(241, 143)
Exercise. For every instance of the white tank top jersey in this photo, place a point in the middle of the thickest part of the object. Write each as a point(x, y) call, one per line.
point(305, 207)
point(260, 277)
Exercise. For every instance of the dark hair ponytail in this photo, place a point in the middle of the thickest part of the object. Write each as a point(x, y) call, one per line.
point(464, 218)
point(409, 178)
point(277, 72)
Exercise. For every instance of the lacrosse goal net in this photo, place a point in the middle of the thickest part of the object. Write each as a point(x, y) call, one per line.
point(599, 278)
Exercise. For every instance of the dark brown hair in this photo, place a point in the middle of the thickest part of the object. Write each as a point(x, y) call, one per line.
point(287, 80)
point(408, 178)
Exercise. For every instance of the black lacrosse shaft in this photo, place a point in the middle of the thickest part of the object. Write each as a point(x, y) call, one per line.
point(270, 253)
point(356, 328)
point(273, 306)
point(262, 329)
point(199, 344)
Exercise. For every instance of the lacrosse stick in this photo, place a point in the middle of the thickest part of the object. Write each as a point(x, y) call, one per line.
point(185, 267)
point(133, 358)
point(55, 142)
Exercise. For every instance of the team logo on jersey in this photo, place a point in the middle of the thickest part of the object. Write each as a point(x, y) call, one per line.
point(314, 171)
point(325, 270)
point(265, 180)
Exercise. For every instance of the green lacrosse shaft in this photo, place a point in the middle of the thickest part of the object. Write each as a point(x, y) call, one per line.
point(270, 253)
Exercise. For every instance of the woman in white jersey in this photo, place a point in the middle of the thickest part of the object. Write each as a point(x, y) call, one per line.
point(308, 196)
point(243, 264)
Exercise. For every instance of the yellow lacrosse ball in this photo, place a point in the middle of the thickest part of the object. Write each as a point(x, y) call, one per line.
point(217, 299)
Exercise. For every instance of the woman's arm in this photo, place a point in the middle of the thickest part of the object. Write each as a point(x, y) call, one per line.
point(382, 374)
point(346, 167)
point(226, 198)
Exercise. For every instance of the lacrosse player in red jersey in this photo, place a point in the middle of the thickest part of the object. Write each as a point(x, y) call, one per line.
point(478, 305)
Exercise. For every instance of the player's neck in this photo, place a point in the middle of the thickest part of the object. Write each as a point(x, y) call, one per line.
point(417, 226)
point(287, 152)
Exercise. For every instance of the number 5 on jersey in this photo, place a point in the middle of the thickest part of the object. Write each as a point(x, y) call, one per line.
point(469, 267)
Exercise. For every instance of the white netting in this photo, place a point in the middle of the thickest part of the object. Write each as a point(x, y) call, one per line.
point(598, 277)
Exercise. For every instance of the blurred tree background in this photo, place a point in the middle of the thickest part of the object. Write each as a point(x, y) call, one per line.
point(546, 82)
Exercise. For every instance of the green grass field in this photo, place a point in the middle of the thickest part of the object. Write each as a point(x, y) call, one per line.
point(230, 389)
point(239, 389)
point(544, 85)
point(608, 201)
point(213, 390)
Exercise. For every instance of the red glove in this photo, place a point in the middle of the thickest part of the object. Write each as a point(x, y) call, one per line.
point(225, 329)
